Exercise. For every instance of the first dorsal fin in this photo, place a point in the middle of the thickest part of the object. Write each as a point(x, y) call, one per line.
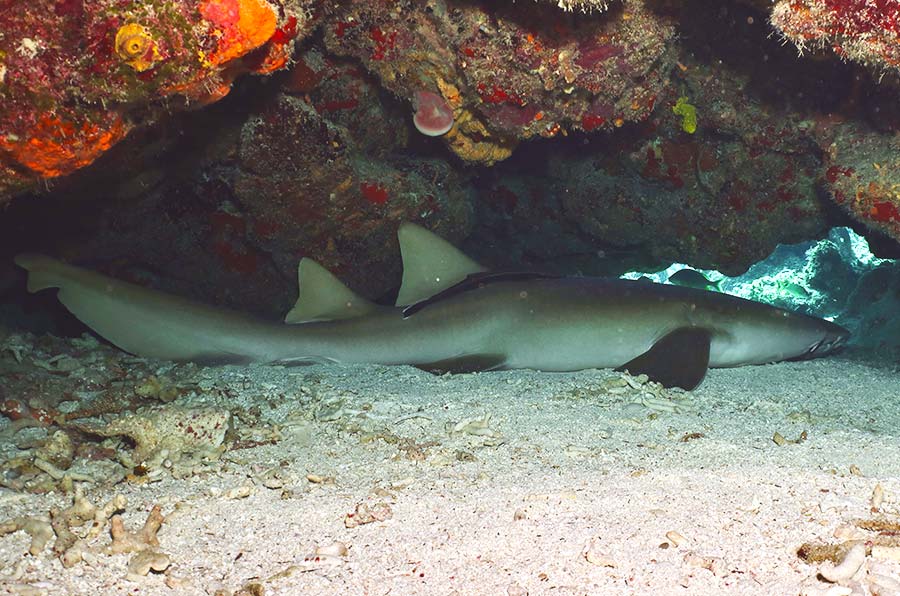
point(430, 264)
point(323, 297)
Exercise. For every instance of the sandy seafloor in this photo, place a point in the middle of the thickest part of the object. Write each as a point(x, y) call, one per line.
point(569, 488)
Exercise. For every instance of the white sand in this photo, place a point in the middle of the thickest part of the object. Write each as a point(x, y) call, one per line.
point(569, 465)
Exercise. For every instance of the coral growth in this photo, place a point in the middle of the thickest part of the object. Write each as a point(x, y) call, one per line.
point(434, 116)
point(239, 26)
point(688, 115)
point(136, 47)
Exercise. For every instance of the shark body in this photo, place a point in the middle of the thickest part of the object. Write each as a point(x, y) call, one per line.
point(453, 315)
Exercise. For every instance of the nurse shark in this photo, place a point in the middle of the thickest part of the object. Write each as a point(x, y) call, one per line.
point(452, 314)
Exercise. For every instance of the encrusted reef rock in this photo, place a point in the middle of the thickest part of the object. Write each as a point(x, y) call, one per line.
point(723, 171)
point(862, 173)
point(864, 31)
point(511, 72)
point(75, 77)
point(305, 191)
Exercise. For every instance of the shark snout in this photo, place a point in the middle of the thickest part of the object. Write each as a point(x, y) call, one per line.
point(835, 338)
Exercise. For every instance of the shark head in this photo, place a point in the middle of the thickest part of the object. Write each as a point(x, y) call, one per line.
point(754, 333)
point(827, 339)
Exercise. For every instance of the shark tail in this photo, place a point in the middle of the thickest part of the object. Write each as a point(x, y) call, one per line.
point(43, 271)
point(139, 320)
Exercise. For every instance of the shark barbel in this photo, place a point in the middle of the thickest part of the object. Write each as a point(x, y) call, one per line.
point(452, 314)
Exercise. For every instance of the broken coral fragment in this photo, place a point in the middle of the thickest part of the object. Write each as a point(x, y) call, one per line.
point(39, 529)
point(124, 541)
point(367, 514)
point(434, 116)
point(70, 547)
point(149, 560)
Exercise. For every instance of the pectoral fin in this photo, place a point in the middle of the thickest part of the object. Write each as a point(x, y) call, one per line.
point(679, 359)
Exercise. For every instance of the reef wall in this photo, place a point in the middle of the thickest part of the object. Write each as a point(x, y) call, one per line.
point(585, 137)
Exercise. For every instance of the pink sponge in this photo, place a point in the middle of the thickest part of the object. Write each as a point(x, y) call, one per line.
point(434, 116)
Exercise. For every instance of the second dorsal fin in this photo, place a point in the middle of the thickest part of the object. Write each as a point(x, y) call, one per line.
point(430, 264)
point(323, 297)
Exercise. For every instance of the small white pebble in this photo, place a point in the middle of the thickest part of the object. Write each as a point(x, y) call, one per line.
point(239, 492)
point(716, 565)
point(885, 583)
point(595, 556)
point(830, 591)
point(335, 549)
point(675, 538)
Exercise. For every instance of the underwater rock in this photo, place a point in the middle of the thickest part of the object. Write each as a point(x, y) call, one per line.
point(323, 160)
point(872, 310)
point(829, 271)
point(322, 170)
point(57, 450)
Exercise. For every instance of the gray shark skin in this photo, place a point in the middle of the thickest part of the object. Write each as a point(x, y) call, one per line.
point(462, 319)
